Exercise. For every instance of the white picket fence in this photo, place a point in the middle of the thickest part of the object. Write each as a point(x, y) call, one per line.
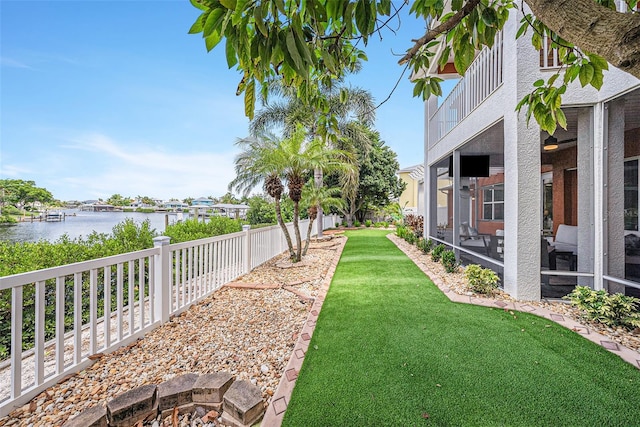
point(137, 292)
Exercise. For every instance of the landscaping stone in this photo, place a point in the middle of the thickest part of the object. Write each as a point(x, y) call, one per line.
point(242, 404)
point(209, 389)
point(176, 392)
point(133, 406)
point(96, 416)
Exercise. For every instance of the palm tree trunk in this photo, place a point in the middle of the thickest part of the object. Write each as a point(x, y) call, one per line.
point(319, 182)
point(306, 243)
point(287, 236)
point(296, 229)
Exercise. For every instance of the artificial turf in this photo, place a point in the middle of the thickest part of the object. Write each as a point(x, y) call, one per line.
point(389, 349)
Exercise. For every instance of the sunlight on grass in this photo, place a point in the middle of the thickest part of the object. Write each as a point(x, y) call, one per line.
point(390, 349)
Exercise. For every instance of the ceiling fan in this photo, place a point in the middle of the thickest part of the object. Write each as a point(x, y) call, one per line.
point(552, 143)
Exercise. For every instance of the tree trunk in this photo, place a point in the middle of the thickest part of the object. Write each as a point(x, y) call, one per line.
point(284, 228)
point(306, 243)
point(296, 229)
point(593, 28)
point(319, 182)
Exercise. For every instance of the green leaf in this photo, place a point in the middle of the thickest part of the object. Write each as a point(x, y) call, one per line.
point(597, 79)
point(212, 40)
point(362, 13)
point(230, 52)
point(197, 26)
point(250, 99)
point(538, 83)
point(197, 5)
point(229, 4)
point(561, 118)
point(292, 49)
point(257, 14)
point(586, 74)
point(213, 22)
point(489, 16)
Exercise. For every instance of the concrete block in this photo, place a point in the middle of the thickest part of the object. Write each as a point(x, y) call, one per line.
point(242, 404)
point(133, 406)
point(209, 388)
point(176, 391)
point(96, 416)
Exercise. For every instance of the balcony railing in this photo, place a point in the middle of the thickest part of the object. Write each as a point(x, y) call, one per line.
point(110, 302)
point(482, 78)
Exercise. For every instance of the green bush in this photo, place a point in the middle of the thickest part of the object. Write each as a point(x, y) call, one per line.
point(481, 280)
point(436, 253)
point(356, 223)
point(449, 261)
point(192, 229)
point(6, 219)
point(410, 238)
point(402, 231)
point(11, 210)
point(608, 309)
point(368, 223)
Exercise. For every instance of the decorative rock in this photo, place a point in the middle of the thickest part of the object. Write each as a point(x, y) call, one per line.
point(176, 391)
point(133, 406)
point(242, 404)
point(209, 388)
point(95, 416)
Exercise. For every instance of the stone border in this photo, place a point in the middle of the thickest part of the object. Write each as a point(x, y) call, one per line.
point(240, 402)
point(627, 354)
point(280, 400)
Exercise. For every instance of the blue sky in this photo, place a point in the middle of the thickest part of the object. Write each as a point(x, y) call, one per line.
point(105, 97)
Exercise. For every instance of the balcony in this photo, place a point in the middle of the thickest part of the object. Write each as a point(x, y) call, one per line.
point(483, 77)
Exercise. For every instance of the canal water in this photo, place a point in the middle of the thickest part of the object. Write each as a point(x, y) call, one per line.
point(79, 223)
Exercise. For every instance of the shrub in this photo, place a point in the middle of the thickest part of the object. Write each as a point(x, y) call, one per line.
point(410, 238)
point(345, 223)
point(356, 223)
point(415, 223)
point(368, 223)
point(192, 229)
point(449, 261)
point(436, 253)
point(428, 246)
point(6, 219)
point(605, 308)
point(402, 231)
point(481, 280)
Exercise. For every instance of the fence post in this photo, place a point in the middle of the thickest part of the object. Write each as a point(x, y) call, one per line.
point(247, 248)
point(161, 285)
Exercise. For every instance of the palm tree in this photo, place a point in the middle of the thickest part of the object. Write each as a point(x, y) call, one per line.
point(267, 159)
point(257, 163)
point(303, 156)
point(319, 197)
point(338, 115)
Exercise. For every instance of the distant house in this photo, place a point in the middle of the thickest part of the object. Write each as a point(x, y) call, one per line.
point(203, 201)
point(174, 205)
point(411, 199)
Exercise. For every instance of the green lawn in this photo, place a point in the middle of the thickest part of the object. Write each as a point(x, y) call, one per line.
point(390, 349)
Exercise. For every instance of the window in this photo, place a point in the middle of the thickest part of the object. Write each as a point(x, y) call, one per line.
point(493, 202)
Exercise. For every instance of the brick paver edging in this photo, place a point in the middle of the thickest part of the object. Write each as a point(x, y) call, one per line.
point(280, 400)
point(627, 354)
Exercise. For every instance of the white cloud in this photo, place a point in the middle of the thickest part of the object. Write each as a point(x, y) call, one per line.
point(141, 169)
point(14, 63)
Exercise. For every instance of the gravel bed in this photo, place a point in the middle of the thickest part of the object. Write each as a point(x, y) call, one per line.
point(247, 332)
point(458, 283)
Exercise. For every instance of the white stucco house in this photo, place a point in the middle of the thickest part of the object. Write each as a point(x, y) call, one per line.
point(510, 192)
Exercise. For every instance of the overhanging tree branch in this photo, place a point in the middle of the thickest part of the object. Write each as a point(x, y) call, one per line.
point(442, 28)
